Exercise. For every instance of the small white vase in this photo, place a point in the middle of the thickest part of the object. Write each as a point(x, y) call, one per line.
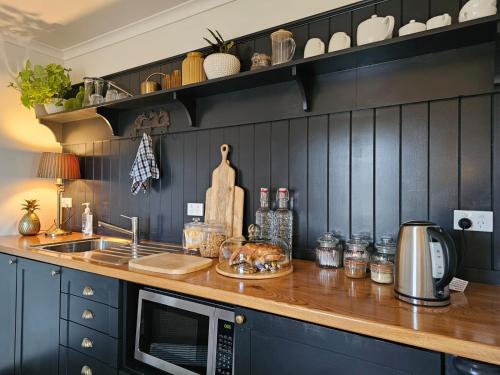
point(219, 65)
point(52, 107)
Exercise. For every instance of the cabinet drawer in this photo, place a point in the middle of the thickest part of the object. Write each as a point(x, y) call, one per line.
point(72, 362)
point(91, 286)
point(90, 314)
point(90, 342)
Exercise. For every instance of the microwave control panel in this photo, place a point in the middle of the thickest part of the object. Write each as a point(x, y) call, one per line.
point(225, 336)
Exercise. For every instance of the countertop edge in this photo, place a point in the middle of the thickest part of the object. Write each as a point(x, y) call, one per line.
point(380, 330)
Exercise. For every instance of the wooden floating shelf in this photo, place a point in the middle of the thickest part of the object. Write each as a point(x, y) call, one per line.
point(300, 71)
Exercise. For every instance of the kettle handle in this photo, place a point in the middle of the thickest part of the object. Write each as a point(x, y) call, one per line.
point(449, 254)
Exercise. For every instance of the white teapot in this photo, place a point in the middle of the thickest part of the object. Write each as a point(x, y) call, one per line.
point(474, 9)
point(375, 29)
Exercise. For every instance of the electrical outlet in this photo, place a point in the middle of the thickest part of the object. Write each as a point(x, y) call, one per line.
point(66, 202)
point(482, 221)
point(195, 209)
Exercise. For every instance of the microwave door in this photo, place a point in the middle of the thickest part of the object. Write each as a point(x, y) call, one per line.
point(175, 335)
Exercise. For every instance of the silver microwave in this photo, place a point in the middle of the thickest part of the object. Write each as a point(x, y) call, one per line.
point(183, 336)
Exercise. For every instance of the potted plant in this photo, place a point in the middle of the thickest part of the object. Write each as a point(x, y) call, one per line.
point(29, 225)
point(43, 85)
point(221, 63)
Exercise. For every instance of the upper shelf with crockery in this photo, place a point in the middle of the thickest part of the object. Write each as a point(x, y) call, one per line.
point(300, 71)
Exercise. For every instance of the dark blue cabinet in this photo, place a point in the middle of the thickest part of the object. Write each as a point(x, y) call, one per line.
point(37, 317)
point(269, 344)
point(8, 271)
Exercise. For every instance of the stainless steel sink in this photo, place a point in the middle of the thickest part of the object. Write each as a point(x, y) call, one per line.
point(81, 246)
point(107, 250)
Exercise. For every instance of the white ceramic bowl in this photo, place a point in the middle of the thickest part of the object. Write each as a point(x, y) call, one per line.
point(314, 47)
point(438, 21)
point(339, 41)
point(412, 27)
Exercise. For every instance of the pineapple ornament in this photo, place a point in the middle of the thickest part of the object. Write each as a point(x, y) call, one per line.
point(29, 225)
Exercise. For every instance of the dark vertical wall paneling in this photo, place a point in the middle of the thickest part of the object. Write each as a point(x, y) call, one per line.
point(362, 133)
point(414, 162)
point(475, 176)
point(378, 149)
point(386, 170)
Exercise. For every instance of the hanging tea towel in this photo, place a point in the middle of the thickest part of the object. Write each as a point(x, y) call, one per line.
point(144, 166)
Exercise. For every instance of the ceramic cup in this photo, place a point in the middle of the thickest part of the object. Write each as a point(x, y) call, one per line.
point(412, 27)
point(438, 21)
point(474, 9)
point(375, 29)
point(314, 47)
point(339, 41)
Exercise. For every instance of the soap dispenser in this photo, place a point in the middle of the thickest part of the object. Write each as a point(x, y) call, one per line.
point(87, 220)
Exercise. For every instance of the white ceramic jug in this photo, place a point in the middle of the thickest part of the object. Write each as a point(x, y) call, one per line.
point(474, 9)
point(339, 41)
point(375, 29)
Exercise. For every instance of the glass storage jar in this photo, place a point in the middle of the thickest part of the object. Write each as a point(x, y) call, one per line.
point(385, 250)
point(356, 258)
point(256, 255)
point(203, 238)
point(329, 251)
point(382, 272)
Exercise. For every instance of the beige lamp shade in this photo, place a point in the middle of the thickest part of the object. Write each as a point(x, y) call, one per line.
point(57, 165)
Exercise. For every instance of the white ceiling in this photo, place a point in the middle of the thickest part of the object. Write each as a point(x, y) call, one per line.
point(65, 23)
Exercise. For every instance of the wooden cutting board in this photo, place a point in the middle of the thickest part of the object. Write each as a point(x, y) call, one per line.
point(169, 263)
point(224, 201)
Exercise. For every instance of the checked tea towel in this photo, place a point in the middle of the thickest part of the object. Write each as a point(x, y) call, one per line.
point(144, 166)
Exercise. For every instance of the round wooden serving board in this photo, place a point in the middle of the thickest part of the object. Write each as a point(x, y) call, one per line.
point(225, 270)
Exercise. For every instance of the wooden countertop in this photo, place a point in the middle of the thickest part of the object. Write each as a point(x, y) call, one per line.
point(469, 327)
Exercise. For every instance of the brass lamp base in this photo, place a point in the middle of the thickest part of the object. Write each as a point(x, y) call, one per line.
point(56, 233)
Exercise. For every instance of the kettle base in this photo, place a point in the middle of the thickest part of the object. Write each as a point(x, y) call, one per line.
point(422, 302)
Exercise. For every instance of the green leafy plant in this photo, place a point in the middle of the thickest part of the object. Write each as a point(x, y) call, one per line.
point(220, 45)
point(41, 84)
point(31, 205)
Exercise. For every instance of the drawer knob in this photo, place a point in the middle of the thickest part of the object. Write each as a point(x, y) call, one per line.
point(13, 261)
point(86, 370)
point(87, 315)
point(88, 291)
point(54, 273)
point(240, 319)
point(87, 343)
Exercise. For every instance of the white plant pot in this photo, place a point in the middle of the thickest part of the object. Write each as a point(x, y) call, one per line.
point(219, 65)
point(52, 107)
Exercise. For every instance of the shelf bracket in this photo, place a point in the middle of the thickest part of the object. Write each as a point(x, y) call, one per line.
point(188, 105)
point(111, 117)
point(303, 83)
point(55, 128)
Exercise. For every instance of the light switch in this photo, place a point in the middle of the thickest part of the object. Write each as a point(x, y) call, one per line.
point(195, 209)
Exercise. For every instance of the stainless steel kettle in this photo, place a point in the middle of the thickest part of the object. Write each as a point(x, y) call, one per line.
point(426, 261)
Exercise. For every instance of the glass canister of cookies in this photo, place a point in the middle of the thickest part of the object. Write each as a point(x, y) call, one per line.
point(256, 255)
point(202, 238)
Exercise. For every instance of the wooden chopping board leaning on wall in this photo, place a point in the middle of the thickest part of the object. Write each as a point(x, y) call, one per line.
point(224, 200)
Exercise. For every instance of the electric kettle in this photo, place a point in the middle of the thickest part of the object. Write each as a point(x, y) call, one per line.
point(426, 261)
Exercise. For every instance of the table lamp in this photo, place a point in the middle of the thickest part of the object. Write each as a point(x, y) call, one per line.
point(59, 167)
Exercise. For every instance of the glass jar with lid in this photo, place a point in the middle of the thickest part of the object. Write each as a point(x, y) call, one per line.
point(385, 250)
point(382, 261)
point(203, 238)
point(255, 255)
point(329, 251)
point(356, 257)
point(382, 272)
